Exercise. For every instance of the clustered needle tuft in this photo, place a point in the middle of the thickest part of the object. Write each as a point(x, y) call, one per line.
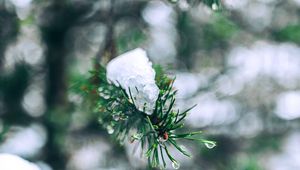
point(115, 102)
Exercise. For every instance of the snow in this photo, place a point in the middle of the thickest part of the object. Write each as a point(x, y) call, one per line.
point(163, 36)
point(133, 70)
point(187, 84)
point(25, 141)
point(288, 105)
point(13, 162)
point(289, 156)
point(210, 111)
point(279, 61)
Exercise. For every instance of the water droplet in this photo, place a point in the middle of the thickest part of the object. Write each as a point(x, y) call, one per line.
point(100, 89)
point(130, 101)
point(175, 165)
point(114, 104)
point(210, 144)
point(106, 97)
point(110, 129)
point(116, 117)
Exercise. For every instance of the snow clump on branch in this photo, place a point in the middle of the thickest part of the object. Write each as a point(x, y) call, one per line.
point(134, 73)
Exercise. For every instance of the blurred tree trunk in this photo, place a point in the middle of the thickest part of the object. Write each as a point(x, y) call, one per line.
point(12, 84)
point(57, 19)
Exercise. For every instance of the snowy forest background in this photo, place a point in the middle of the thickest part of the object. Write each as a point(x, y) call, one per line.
point(240, 62)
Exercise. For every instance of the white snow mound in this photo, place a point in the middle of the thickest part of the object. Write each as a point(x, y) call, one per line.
point(13, 162)
point(133, 70)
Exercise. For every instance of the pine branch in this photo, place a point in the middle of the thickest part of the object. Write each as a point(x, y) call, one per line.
point(117, 113)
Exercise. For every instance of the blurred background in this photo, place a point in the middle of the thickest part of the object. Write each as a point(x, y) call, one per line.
point(239, 60)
